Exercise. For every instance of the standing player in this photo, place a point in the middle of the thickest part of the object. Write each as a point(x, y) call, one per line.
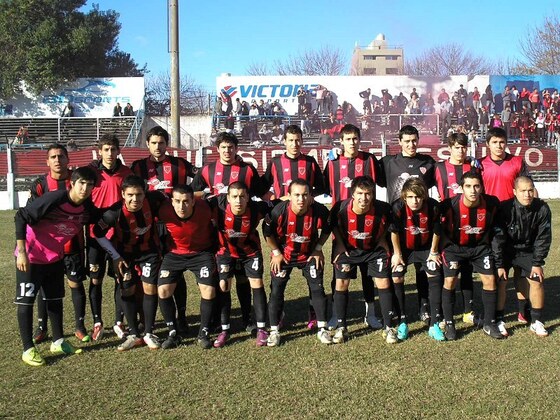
point(360, 227)
point(240, 254)
point(338, 175)
point(162, 172)
point(524, 244)
point(468, 223)
point(499, 171)
point(215, 178)
point(42, 229)
point(135, 251)
point(448, 176)
point(395, 170)
point(292, 232)
point(58, 178)
point(293, 164)
point(191, 243)
point(415, 233)
point(107, 191)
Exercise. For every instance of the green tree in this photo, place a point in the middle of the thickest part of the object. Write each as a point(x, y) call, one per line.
point(48, 42)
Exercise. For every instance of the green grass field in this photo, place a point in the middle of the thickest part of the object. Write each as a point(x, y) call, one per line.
point(474, 377)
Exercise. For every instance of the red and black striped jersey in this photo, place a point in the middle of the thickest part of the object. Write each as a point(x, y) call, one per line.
point(296, 235)
point(135, 232)
point(448, 178)
point(238, 234)
point(164, 175)
point(192, 235)
point(469, 226)
point(360, 231)
point(416, 229)
point(339, 173)
point(218, 176)
point(282, 170)
point(499, 176)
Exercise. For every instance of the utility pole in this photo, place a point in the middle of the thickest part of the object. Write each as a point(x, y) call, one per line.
point(173, 32)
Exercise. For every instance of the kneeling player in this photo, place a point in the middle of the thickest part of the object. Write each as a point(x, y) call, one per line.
point(415, 238)
point(360, 227)
point(292, 232)
point(468, 223)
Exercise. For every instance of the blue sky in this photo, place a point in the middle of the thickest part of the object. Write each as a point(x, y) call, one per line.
point(227, 36)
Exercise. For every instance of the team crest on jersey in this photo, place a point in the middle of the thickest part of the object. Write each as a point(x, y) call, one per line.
point(369, 222)
point(307, 225)
point(301, 171)
point(167, 169)
point(234, 175)
point(423, 220)
point(359, 168)
point(423, 170)
point(481, 217)
point(245, 223)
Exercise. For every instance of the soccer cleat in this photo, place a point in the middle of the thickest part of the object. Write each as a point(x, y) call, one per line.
point(333, 322)
point(372, 322)
point(493, 331)
point(390, 335)
point(436, 333)
point(450, 331)
point(538, 328)
point(273, 339)
point(82, 335)
point(220, 341)
point(502, 327)
point(251, 328)
point(470, 318)
point(172, 341)
point(522, 318)
point(324, 336)
point(425, 317)
point(402, 331)
point(312, 320)
point(98, 331)
point(32, 357)
point(64, 348)
point(152, 341)
point(130, 342)
point(204, 340)
point(262, 338)
point(182, 325)
point(340, 336)
point(39, 336)
point(120, 330)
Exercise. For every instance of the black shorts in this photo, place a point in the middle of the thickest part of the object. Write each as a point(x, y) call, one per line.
point(479, 256)
point(144, 268)
point(522, 260)
point(418, 257)
point(50, 277)
point(310, 271)
point(74, 265)
point(202, 265)
point(378, 263)
point(251, 267)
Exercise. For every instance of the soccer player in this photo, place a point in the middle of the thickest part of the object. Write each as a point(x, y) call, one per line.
point(135, 251)
point(107, 191)
point(58, 178)
point(415, 233)
point(499, 171)
point(215, 178)
point(240, 254)
point(360, 225)
point(292, 232)
point(162, 172)
point(192, 243)
point(468, 223)
point(448, 176)
point(42, 229)
point(338, 175)
point(395, 170)
point(290, 165)
point(524, 243)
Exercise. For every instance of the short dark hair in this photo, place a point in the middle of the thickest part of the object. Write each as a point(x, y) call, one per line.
point(109, 139)
point(183, 189)
point(225, 137)
point(459, 138)
point(133, 181)
point(293, 129)
point(55, 146)
point(496, 132)
point(350, 129)
point(471, 175)
point(410, 130)
point(299, 181)
point(416, 186)
point(86, 173)
point(522, 178)
point(158, 131)
point(364, 183)
point(237, 185)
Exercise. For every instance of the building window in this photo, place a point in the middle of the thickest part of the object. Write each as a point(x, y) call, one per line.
point(370, 70)
point(391, 57)
point(370, 57)
point(391, 70)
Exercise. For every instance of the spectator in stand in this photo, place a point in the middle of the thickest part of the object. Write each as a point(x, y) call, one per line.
point(68, 111)
point(483, 120)
point(472, 118)
point(320, 97)
point(339, 115)
point(229, 123)
point(365, 95)
point(244, 108)
point(22, 136)
point(514, 99)
point(329, 101)
point(445, 116)
point(386, 98)
point(539, 122)
point(514, 127)
point(253, 111)
point(265, 134)
point(117, 110)
point(260, 107)
point(227, 102)
point(524, 97)
point(462, 94)
point(476, 98)
point(506, 118)
point(496, 121)
point(443, 96)
point(550, 124)
point(238, 107)
point(506, 98)
point(429, 104)
point(128, 110)
point(534, 99)
point(489, 98)
point(301, 100)
point(414, 94)
point(546, 101)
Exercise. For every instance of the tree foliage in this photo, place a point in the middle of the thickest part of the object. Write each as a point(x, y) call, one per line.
point(48, 42)
point(324, 61)
point(193, 97)
point(541, 48)
point(447, 60)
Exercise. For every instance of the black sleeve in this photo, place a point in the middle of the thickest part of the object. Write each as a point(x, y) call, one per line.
point(499, 237)
point(323, 215)
point(333, 215)
point(36, 190)
point(35, 211)
point(382, 179)
point(107, 220)
point(395, 226)
point(199, 183)
point(271, 220)
point(267, 179)
point(318, 182)
point(256, 189)
point(544, 235)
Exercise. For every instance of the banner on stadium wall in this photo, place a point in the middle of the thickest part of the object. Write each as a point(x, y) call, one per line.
point(343, 88)
point(91, 97)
